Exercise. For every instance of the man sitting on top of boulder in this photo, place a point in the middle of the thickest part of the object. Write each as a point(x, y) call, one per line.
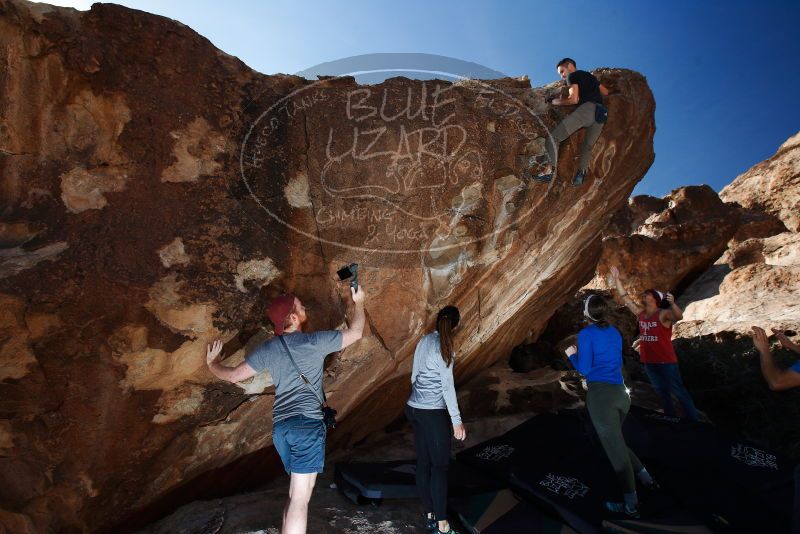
point(778, 379)
point(587, 92)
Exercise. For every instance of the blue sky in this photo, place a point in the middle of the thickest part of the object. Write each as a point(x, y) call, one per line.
point(724, 73)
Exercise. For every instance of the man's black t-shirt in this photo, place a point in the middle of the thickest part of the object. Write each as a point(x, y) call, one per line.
point(588, 86)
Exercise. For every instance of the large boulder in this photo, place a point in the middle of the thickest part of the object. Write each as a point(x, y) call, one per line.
point(157, 191)
point(756, 280)
point(772, 186)
point(665, 243)
point(754, 283)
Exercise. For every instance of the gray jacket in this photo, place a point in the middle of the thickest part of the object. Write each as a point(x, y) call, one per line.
point(432, 384)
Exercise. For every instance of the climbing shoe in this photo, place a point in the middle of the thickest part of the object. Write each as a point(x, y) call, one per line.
point(578, 180)
point(431, 524)
point(545, 178)
point(653, 486)
point(622, 508)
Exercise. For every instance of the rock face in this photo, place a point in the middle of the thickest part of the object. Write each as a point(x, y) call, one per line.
point(772, 186)
point(754, 283)
point(156, 192)
point(756, 280)
point(663, 243)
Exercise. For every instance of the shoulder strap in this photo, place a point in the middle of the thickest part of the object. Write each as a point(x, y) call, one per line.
point(322, 400)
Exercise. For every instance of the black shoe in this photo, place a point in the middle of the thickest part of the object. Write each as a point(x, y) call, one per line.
point(622, 508)
point(431, 524)
point(579, 176)
point(653, 486)
point(544, 178)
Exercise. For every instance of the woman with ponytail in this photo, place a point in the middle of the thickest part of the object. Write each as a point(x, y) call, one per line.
point(431, 409)
point(598, 357)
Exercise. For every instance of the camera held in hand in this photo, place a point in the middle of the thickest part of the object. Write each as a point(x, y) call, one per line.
point(329, 416)
point(349, 271)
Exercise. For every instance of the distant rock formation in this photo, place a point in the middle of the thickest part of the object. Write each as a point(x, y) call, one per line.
point(660, 243)
point(772, 186)
point(157, 191)
point(732, 266)
point(757, 280)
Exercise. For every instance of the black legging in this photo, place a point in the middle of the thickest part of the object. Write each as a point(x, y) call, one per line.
point(432, 441)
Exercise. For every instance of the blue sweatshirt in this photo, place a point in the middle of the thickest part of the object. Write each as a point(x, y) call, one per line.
point(599, 356)
point(432, 384)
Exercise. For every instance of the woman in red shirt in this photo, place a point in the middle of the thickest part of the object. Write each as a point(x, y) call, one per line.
point(657, 313)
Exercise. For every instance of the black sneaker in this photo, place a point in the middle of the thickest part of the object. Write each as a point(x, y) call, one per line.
point(579, 176)
point(653, 486)
point(622, 508)
point(431, 524)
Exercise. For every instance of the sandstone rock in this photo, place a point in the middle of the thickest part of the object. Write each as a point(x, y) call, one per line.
point(152, 142)
point(671, 246)
point(196, 150)
point(83, 190)
point(499, 390)
point(14, 234)
point(755, 223)
point(16, 356)
point(17, 259)
point(633, 215)
point(754, 283)
point(173, 253)
point(772, 186)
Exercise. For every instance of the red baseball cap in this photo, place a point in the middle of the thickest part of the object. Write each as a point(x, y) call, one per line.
point(278, 309)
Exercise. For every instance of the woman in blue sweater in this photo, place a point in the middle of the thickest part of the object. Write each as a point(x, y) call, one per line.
point(432, 409)
point(598, 357)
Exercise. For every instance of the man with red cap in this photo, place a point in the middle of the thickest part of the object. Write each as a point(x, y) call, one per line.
point(298, 430)
point(657, 312)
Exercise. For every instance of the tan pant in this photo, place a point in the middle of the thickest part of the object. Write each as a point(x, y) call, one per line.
point(583, 117)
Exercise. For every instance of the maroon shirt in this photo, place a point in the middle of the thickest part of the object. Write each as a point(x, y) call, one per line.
point(655, 340)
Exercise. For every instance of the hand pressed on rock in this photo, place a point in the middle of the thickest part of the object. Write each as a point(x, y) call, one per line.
point(212, 351)
point(760, 339)
point(785, 341)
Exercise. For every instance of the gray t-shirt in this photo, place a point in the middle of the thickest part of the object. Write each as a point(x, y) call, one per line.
point(292, 395)
point(432, 385)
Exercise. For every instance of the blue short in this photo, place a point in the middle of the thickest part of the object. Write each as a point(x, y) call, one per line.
point(300, 442)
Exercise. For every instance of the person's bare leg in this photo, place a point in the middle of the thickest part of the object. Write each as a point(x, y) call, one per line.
point(285, 510)
point(296, 517)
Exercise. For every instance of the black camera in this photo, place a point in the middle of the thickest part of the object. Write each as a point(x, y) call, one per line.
point(664, 304)
point(329, 417)
point(349, 271)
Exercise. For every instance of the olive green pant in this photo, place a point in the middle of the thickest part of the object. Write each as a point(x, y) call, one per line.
point(608, 404)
